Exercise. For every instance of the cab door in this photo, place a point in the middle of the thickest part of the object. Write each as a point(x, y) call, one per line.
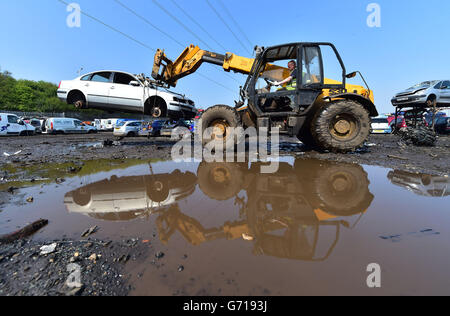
point(13, 126)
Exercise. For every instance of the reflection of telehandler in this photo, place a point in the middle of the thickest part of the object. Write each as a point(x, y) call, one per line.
point(285, 212)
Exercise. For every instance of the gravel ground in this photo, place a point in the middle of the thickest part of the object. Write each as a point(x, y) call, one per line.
point(382, 150)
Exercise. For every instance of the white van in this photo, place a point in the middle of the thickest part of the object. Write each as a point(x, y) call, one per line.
point(58, 125)
point(11, 124)
point(108, 125)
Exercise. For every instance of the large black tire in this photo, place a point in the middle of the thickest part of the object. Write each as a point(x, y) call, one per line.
point(221, 117)
point(82, 197)
point(220, 181)
point(342, 126)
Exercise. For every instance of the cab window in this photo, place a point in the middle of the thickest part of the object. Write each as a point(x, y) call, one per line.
point(101, 77)
point(311, 67)
point(86, 78)
point(13, 119)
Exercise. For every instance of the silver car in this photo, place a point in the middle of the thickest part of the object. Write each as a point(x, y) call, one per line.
point(127, 128)
point(424, 94)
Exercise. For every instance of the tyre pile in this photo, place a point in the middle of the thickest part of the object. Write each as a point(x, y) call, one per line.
point(420, 136)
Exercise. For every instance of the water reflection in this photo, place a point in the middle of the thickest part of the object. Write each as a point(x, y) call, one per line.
point(296, 213)
point(127, 198)
point(421, 184)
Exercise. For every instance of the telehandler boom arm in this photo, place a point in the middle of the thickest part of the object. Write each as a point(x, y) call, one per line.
point(192, 58)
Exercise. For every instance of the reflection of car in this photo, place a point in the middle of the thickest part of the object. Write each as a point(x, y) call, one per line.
point(120, 91)
point(11, 124)
point(400, 123)
point(127, 128)
point(380, 125)
point(421, 184)
point(424, 94)
point(129, 197)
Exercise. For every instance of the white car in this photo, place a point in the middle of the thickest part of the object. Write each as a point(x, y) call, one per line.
point(11, 124)
point(120, 91)
point(127, 128)
point(58, 125)
point(380, 125)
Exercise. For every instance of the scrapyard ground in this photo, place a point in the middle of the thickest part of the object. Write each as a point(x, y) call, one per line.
point(382, 150)
point(52, 159)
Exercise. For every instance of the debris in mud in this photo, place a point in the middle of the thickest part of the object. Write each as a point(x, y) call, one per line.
point(30, 199)
point(55, 275)
point(420, 136)
point(9, 155)
point(89, 232)
point(46, 250)
point(397, 157)
point(12, 190)
point(180, 269)
point(159, 255)
point(60, 180)
point(24, 232)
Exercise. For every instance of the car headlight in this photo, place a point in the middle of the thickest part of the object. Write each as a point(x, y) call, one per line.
point(420, 92)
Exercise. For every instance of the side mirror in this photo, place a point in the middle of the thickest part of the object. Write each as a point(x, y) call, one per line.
point(21, 122)
point(351, 75)
point(134, 83)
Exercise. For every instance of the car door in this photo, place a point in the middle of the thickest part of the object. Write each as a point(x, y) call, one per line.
point(97, 89)
point(124, 95)
point(13, 127)
point(445, 92)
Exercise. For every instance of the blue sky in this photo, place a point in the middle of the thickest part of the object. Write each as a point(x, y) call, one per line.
point(410, 46)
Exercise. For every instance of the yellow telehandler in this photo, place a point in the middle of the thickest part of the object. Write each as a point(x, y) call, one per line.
point(323, 113)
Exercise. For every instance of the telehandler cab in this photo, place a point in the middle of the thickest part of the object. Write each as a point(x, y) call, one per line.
point(324, 113)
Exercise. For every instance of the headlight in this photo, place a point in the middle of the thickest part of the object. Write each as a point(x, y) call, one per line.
point(420, 92)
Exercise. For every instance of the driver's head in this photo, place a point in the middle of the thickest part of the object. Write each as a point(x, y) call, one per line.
point(292, 65)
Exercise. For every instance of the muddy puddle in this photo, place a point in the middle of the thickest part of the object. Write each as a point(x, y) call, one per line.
point(227, 229)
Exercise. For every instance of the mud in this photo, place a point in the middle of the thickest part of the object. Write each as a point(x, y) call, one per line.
point(168, 228)
point(387, 151)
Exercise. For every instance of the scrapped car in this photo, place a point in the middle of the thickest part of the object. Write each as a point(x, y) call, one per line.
point(120, 91)
point(181, 128)
point(127, 128)
point(11, 124)
point(380, 125)
point(58, 125)
point(424, 94)
point(441, 125)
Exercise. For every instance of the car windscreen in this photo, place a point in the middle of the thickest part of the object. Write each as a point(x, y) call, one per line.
point(379, 120)
point(424, 85)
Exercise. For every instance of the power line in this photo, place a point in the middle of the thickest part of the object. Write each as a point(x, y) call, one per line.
point(226, 24)
point(112, 28)
point(181, 23)
point(163, 32)
point(149, 23)
point(199, 25)
point(137, 41)
point(235, 23)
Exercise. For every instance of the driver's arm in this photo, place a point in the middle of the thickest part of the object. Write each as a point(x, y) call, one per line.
point(287, 80)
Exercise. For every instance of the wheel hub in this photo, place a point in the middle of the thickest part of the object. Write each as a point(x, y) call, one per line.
point(343, 126)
